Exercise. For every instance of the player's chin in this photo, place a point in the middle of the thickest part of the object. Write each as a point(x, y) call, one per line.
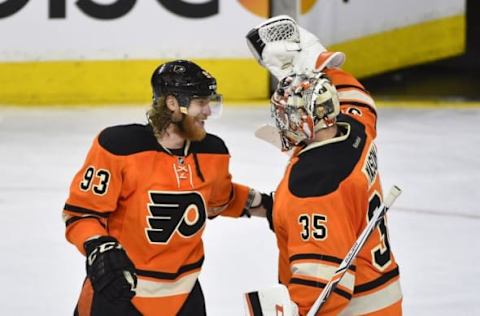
point(194, 129)
point(198, 135)
point(200, 123)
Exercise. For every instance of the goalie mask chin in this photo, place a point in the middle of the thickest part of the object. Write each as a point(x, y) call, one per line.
point(302, 105)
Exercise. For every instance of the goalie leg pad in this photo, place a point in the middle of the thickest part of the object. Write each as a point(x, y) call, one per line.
point(273, 301)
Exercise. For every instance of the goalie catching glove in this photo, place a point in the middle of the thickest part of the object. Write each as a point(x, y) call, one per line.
point(283, 47)
point(109, 269)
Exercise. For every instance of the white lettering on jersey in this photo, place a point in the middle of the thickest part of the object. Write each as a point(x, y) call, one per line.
point(370, 166)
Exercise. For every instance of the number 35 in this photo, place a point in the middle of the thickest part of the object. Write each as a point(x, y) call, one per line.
point(313, 226)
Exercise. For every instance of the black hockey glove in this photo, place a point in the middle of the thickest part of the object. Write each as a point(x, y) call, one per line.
point(267, 203)
point(109, 269)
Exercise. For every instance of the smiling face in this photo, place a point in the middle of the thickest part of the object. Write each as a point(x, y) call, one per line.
point(190, 120)
point(194, 122)
point(199, 107)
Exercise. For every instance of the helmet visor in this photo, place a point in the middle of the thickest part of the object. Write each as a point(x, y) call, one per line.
point(216, 105)
point(214, 102)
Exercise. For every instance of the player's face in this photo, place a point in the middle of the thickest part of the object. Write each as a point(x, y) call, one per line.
point(192, 126)
point(200, 108)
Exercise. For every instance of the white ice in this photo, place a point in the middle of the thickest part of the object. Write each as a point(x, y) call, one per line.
point(432, 154)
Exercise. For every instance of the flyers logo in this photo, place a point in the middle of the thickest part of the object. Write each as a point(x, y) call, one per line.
point(183, 213)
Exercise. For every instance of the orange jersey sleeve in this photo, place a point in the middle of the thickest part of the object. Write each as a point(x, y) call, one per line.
point(93, 196)
point(238, 203)
point(355, 101)
point(227, 198)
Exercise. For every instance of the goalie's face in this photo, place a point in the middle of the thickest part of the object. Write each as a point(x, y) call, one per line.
point(303, 105)
point(293, 121)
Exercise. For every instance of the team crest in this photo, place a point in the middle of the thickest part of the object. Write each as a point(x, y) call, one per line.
point(182, 213)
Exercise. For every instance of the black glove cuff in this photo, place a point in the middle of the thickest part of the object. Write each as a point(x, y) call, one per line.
point(267, 203)
point(91, 244)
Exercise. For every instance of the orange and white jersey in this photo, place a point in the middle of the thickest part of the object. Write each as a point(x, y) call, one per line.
point(325, 199)
point(156, 205)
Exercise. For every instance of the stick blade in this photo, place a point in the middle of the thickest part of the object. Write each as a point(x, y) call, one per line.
point(269, 134)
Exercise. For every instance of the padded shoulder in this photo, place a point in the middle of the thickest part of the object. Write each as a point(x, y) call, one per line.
point(320, 170)
point(211, 144)
point(124, 140)
point(340, 78)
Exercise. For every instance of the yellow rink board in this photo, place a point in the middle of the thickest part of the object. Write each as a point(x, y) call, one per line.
point(400, 48)
point(124, 81)
point(128, 81)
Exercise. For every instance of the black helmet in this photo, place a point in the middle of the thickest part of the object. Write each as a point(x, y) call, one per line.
point(183, 79)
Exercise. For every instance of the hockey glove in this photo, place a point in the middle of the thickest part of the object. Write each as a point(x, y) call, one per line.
point(283, 47)
point(274, 43)
point(109, 269)
point(267, 203)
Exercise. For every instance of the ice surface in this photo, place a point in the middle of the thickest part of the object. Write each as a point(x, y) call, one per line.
point(432, 154)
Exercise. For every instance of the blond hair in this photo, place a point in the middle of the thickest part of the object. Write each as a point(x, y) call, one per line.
point(159, 116)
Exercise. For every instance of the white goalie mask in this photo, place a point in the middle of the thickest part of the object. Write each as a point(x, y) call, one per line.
point(302, 105)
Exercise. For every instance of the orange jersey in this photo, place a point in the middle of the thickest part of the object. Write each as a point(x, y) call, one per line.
point(324, 201)
point(156, 205)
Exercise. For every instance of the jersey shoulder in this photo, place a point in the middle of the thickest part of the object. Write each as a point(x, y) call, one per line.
point(320, 170)
point(211, 144)
point(342, 79)
point(124, 140)
point(352, 94)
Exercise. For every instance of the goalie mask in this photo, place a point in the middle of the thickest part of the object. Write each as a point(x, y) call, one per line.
point(186, 80)
point(302, 105)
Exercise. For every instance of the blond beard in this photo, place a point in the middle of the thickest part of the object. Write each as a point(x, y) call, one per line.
point(188, 129)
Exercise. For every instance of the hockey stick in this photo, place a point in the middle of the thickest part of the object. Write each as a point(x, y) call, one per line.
point(269, 134)
point(357, 246)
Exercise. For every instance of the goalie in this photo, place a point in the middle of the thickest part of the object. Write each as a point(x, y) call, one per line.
point(331, 185)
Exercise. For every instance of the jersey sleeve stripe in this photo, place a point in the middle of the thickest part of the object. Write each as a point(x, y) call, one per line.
point(356, 96)
point(350, 86)
point(74, 219)
point(376, 301)
point(82, 210)
point(359, 104)
point(170, 275)
point(322, 271)
point(152, 288)
point(254, 306)
point(314, 256)
point(320, 285)
point(377, 282)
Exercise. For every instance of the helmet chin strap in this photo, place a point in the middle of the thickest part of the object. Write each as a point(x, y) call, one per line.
point(184, 110)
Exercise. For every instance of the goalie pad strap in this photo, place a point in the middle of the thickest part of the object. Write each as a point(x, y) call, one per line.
point(254, 307)
point(255, 42)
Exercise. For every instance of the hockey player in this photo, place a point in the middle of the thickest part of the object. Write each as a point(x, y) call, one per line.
point(138, 206)
point(331, 185)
